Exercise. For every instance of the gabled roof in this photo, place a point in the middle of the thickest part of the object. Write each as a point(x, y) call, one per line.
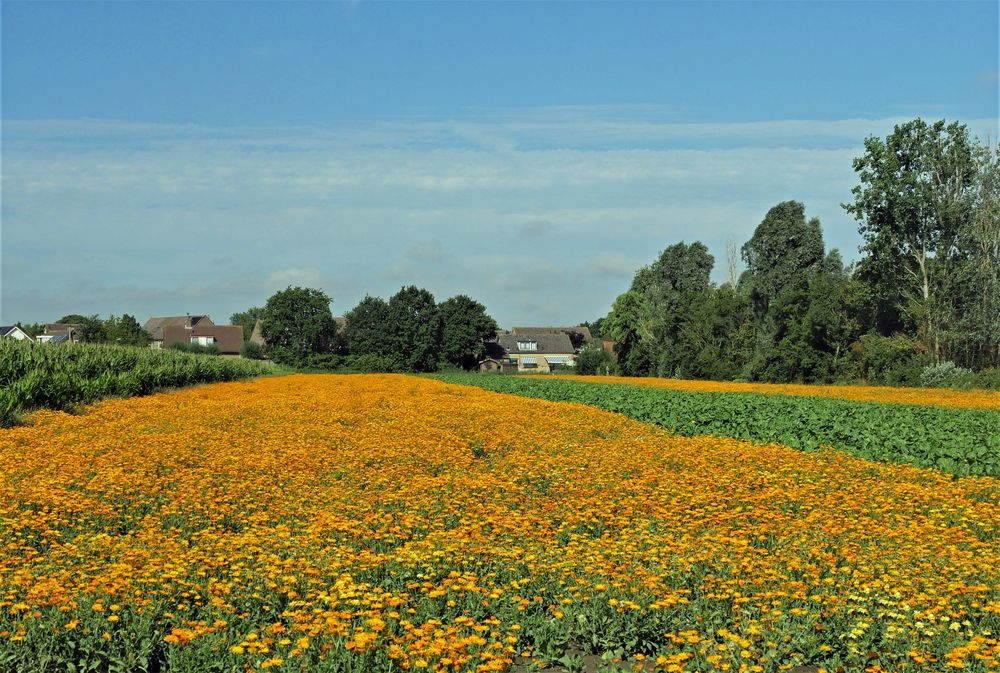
point(257, 335)
point(61, 328)
point(546, 342)
point(5, 330)
point(581, 329)
point(155, 325)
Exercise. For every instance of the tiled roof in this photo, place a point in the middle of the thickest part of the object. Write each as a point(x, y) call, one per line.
point(155, 325)
point(581, 329)
point(546, 342)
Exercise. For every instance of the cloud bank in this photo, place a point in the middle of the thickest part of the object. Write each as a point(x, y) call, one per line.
point(543, 215)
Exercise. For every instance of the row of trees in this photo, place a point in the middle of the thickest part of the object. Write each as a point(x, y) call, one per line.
point(925, 292)
point(409, 332)
point(124, 330)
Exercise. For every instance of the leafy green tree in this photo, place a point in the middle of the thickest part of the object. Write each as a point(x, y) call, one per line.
point(783, 258)
point(782, 245)
point(251, 350)
point(32, 329)
point(367, 330)
point(596, 328)
point(715, 338)
point(297, 323)
point(415, 324)
point(679, 269)
point(594, 360)
point(125, 331)
point(914, 199)
point(90, 328)
point(464, 327)
point(671, 286)
point(976, 319)
point(247, 319)
point(807, 342)
point(629, 324)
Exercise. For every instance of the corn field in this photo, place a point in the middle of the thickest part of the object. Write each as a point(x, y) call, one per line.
point(37, 376)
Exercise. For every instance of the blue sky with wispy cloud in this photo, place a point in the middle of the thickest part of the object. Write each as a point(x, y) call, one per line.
point(195, 157)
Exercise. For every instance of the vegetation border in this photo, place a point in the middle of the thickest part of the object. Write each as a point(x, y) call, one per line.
point(962, 442)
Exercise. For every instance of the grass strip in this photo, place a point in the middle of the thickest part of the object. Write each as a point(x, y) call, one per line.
point(962, 442)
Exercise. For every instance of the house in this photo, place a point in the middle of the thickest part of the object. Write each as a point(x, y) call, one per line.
point(13, 332)
point(579, 336)
point(540, 352)
point(155, 326)
point(57, 332)
point(227, 338)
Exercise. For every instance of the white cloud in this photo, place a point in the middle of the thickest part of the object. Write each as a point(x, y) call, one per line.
point(279, 280)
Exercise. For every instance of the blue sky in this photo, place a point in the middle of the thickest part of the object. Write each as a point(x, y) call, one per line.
point(165, 158)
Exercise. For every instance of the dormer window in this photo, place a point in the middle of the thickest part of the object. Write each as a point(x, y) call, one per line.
point(527, 345)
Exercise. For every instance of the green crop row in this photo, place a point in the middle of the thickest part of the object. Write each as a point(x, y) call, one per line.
point(49, 376)
point(960, 441)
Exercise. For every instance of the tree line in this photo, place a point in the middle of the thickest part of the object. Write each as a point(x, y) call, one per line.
point(920, 307)
point(124, 330)
point(409, 332)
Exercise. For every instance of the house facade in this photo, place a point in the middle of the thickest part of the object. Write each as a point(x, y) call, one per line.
point(13, 332)
point(536, 352)
point(155, 326)
point(58, 332)
point(227, 338)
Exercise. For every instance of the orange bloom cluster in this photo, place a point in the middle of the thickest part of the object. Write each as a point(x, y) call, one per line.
point(385, 523)
point(932, 397)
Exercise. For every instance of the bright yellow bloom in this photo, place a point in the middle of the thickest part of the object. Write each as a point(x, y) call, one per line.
point(393, 517)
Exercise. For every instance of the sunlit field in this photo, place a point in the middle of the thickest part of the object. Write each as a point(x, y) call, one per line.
point(937, 397)
point(386, 523)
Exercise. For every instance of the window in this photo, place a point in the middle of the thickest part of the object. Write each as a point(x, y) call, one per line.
point(529, 363)
point(527, 345)
point(203, 340)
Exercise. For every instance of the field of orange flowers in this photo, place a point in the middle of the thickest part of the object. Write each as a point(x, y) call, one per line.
point(386, 523)
point(935, 397)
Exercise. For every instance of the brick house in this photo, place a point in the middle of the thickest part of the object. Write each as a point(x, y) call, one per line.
point(155, 326)
point(227, 338)
point(537, 352)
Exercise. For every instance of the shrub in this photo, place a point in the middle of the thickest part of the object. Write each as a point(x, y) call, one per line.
point(194, 348)
point(988, 378)
point(369, 363)
point(252, 350)
point(894, 361)
point(323, 361)
point(945, 375)
point(594, 360)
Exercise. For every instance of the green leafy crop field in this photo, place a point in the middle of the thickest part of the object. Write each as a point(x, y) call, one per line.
point(959, 441)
